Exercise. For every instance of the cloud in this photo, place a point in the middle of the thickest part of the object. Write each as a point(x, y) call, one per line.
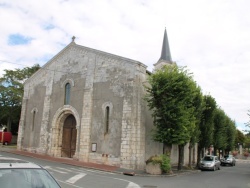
point(211, 38)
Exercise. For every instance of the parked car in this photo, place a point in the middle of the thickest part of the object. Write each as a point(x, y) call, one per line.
point(5, 137)
point(18, 173)
point(228, 160)
point(210, 162)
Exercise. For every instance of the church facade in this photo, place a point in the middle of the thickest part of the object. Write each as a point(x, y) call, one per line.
point(89, 105)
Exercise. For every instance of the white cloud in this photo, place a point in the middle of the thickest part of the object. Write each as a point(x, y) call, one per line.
point(211, 38)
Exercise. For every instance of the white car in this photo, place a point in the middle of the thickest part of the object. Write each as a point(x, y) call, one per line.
point(228, 160)
point(210, 162)
point(16, 173)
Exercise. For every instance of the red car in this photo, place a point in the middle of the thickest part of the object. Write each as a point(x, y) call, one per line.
point(5, 137)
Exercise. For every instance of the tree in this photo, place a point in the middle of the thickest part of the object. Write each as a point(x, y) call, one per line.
point(220, 130)
point(248, 123)
point(247, 141)
point(206, 125)
point(11, 93)
point(231, 135)
point(195, 134)
point(240, 138)
point(171, 98)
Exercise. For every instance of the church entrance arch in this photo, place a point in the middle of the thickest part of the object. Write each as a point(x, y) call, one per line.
point(69, 135)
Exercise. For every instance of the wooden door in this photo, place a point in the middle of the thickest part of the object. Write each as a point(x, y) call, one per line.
point(69, 137)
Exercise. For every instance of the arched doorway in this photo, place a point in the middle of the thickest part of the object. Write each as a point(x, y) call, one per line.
point(69, 137)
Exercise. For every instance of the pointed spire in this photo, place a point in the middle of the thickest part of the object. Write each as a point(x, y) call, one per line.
point(165, 51)
point(165, 58)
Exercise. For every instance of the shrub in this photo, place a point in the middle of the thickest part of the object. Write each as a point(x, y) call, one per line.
point(166, 165)
point(154, 160)
point(234, 153)
point(163, 160)
point(246, 154)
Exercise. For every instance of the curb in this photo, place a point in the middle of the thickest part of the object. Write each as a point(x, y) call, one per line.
point(122, 171)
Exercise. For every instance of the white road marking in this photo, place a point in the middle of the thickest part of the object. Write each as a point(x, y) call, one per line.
point(65, 169)
point(69, 184)
point(95, 171)
point(76, 170)
point(53, 169)
point(75, 178)
point(132, 185)
point(99, 172)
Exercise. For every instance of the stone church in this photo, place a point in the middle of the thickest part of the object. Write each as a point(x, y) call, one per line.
point(88, 105)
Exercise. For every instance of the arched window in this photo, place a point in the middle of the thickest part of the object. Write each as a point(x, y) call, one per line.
point(107, 120)
point(67, 94)
point(33, 119)
point(34, 112)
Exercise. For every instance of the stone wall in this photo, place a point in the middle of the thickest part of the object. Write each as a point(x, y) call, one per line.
point(98, 80)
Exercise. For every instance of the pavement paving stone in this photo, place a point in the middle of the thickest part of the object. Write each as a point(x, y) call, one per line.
point(102, 167)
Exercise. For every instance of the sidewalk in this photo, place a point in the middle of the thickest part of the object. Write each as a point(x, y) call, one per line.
point(102, 167)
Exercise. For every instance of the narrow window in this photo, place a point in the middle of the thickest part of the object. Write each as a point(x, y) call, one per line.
point(107, 120)
point(33, 119)
point(67, 94)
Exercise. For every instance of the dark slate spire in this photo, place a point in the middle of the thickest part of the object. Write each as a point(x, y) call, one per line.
point(165, 52)
point(165, 58)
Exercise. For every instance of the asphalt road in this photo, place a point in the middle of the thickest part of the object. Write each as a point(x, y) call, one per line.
point(76, 177)
point(228, 177)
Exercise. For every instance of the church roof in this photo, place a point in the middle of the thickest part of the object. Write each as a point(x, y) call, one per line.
point(165, 51)
point(92, 50)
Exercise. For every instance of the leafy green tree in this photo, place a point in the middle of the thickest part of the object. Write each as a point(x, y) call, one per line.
point(11, 92)
point(220, 130)
point(248, 123)
point(247, 141)
point(206, 125)
point(240, 138)
point(231, 135)
point(171, 99)
point(195, 134)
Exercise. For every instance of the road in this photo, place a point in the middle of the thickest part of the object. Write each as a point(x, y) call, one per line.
point(76, 177)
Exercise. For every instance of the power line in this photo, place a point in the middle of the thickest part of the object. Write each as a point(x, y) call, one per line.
point(4, 61)
point(41, 68)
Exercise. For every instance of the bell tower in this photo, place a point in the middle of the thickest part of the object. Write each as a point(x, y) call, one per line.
point(165, 58)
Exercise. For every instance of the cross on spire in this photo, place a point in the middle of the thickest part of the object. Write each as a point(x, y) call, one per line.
point(73, 39)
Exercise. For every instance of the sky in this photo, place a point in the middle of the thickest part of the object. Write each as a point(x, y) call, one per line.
point(209, 37)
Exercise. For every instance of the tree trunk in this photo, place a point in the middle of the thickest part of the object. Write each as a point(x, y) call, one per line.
point(167, 149)
point(215, 151)
point(198, 156)
point(9, 121)
point(9, 124)
point(194, 148)
point(181, 156)
point(190, 155)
